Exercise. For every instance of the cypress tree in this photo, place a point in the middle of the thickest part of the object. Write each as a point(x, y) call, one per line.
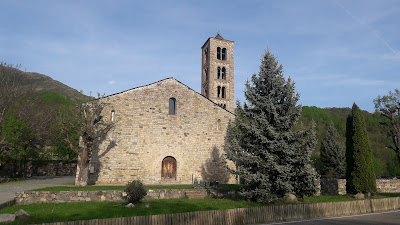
point(360, 172)
point(270, 156)
point(332, 158)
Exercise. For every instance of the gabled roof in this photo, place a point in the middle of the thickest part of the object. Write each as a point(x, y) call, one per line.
point(160, 81)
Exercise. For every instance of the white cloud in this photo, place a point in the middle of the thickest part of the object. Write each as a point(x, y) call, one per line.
point(111, 82)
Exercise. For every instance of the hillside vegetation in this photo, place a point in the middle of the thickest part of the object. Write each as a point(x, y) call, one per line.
point(30, 104)
point(384, 159)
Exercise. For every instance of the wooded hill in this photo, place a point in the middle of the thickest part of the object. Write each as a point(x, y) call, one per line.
point(29, 106)
point(385, 161)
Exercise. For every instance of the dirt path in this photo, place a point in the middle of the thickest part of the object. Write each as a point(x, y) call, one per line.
point(7, 190)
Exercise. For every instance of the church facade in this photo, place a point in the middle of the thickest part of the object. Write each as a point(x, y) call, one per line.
point(167, 133)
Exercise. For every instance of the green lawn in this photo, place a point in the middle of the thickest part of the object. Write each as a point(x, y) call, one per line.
point(45, 213)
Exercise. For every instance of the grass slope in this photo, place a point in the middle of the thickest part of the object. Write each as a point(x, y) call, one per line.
point(46, 213)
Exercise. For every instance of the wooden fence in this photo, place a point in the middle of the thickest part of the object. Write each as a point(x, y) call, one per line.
point(263, 214)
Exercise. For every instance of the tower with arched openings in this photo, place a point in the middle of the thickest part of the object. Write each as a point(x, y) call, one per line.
point(217, 72)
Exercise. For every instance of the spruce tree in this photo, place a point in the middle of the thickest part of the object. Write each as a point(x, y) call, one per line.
point(271, 157)
point(360, 172)
point(332, 157)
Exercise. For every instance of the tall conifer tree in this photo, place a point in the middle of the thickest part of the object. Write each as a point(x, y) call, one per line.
point(360, 172)
point(270, 156)
point(332, 158)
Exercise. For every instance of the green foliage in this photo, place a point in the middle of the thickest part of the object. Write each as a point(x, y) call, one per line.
point(332, 157)
point(17, 141)
point(135, 191)
point(360, 172)
point(269, 155)
point(58, 99)
point(377, 133)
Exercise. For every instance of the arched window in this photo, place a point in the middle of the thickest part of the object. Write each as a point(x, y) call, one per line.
point(168, 168)
point(172, 106)
point(223, 73)
point(219, 91)
point(223, 92)
point(218, 124)
point(206, 72)
point(206, 54)
point(112, 115)
point(219, 73)
point(224, 54)
point(218, 53)
point(224, 106)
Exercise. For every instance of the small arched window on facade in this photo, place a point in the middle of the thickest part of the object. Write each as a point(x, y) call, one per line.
point(218, 124)
point(224, 106)
point(206, 54)
point(223, 92)
point(172, 106)
point(206, 72)
point(219, 91)
point(223, 73)
point(224, 54)
point(218, 53)
point(112, 115)
point(219, 73)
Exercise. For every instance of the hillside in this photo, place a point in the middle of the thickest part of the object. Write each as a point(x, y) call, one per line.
point(384, 159)
point(37, 82)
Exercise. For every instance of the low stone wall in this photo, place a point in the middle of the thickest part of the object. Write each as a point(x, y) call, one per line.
point(41, 168)
point(338, 186)
point(388, 185)
point(333, 186)
point(33, 197)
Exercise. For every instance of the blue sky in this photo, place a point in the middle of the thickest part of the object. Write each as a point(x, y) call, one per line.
point(337, 51)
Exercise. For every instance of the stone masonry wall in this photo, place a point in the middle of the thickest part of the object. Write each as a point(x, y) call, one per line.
point(388, 185)
point(145, 134)
point(338, 187)
point(35, 197)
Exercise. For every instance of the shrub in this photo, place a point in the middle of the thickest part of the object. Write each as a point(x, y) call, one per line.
point(135, 191)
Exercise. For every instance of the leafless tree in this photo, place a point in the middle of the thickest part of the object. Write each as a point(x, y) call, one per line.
point(389, 107)
point(82, 128)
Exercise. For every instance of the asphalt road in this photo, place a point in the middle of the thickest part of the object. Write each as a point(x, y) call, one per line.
point(7, 190)
point(384, 218)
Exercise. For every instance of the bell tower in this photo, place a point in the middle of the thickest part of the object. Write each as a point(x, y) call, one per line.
point(217, 72)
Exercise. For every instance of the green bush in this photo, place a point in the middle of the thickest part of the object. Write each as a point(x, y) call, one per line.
point(135, 191)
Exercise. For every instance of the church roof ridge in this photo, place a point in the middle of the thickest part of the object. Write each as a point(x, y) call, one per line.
point(162, 80)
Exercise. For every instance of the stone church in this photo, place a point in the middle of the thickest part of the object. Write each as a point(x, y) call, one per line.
point(167, 133)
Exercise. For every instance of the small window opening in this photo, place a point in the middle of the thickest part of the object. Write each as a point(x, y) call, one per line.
point(219, 91)
point(224, 106)
point(206, 53)
point(223, 92)
point(112, 115)
point(218, 53)
point(206, 72)
point(223, 73)
point(218, 124)
point(224, 54)
point(219, 73)
point(172, 107)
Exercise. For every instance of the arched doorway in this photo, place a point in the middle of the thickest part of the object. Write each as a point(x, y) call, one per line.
point(168, 168)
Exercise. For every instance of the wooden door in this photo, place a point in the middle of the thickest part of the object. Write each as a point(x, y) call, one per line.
point(168, 170)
